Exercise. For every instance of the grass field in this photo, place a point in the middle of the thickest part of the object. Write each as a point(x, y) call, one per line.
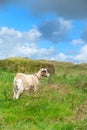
point(60, 104)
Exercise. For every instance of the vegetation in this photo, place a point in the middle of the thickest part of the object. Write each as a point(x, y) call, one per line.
point(60, 104)
point(24, 65)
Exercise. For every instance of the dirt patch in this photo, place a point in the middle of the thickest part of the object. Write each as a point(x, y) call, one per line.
point(61, 88)
point(82, 85)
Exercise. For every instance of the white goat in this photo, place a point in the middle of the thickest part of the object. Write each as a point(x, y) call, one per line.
point(28, 82)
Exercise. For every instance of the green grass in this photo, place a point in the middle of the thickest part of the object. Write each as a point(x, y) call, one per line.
point(60, 104)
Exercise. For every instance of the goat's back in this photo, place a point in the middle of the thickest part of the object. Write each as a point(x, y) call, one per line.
point(26, 80)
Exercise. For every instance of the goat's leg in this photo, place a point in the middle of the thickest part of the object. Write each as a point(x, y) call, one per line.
point(19, 93)
point(14, 96)
point(15, 91)
point(35, 89)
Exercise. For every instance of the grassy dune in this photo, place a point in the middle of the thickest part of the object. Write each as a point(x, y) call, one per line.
point(24, 65)
point(60, 104)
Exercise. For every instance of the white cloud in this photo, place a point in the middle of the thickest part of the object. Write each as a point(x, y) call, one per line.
point(32, 35)
point(77, 42)
point(4, 31)
point(24, 44)
point(59, 57)
point(82, 56)
point(11, 40)
point(62, 56)
point(36, 52)
point(65, 24)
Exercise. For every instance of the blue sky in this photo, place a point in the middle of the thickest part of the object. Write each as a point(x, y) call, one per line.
point(49, 29)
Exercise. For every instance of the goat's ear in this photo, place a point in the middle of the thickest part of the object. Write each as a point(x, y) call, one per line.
point(47, 69)
point(42, 69)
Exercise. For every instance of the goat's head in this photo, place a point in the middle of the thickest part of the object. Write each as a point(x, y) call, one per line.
point(44, 72)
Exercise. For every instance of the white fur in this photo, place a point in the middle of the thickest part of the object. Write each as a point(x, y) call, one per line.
point(28, 82)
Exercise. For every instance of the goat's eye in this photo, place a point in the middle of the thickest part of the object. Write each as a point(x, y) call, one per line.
point(44, 71)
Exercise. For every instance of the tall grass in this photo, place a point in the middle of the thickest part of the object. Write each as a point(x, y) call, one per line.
point(60, 104)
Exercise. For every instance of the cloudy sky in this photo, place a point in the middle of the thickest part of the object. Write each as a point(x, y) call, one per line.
point(44, 29)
